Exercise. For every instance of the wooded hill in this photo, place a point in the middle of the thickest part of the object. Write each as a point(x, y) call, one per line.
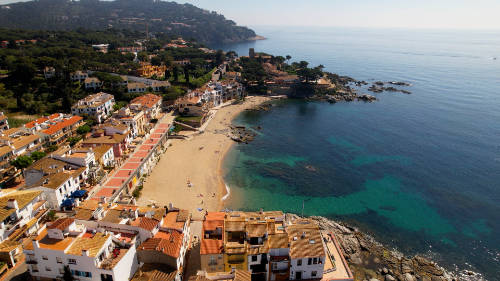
point(184, 20)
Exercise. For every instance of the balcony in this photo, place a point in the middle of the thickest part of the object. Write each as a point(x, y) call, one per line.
point(114, 258)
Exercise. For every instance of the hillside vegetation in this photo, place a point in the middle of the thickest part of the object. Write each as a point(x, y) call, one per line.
point(185, 20)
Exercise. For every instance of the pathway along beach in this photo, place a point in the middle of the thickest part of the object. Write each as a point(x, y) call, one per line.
point(197, 160)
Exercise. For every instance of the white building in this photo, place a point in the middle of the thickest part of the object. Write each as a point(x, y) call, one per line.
point(306, 264)
point(19, 208)
point(57, 179)
point(49, 72)
point(149, 103)
point(136, 87)
point(98, 105)
point(78, 76)
point(90, 254)
point(92, 83)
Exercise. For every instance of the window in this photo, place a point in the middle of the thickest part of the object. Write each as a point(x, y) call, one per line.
point(48, 268)
point(71, 261)
point(213, 261)
point(299, 262)
point(59, 260)
point(34, 268)
point(254, 258)
point(314, 273)
point(309, 261)
point(315, 261)
point(45, 258)
point(61, 270)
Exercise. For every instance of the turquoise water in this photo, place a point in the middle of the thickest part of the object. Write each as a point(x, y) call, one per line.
point(420, 172)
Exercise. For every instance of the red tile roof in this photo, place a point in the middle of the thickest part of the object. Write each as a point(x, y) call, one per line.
point(61, 224)
point(145, 223)
point(168, 243)
point(33, 123)
point(147, 100)
point(211, 246)
point(63, 124)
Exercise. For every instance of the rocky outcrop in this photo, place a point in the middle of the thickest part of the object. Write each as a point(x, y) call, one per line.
point(241, 134)
point(379, 87)
point(370, 260)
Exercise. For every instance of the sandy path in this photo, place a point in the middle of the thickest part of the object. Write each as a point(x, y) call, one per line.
point(198, 160)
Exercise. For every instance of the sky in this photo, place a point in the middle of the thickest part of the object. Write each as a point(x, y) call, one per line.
point(439, 14)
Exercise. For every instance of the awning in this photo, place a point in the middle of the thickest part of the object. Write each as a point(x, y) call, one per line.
point(70, 202)
point(78, 193)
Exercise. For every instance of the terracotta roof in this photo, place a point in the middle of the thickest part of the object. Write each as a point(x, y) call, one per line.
point(23, 198)
point(234, 225)
point(215, 216)
point(170, 221)
point(182, 216)
point(63, 124)
point(113, 216)
point(93, 245)
point(168, 243)
point(48, 243)
point(22, 141)
point(211, 246)
point(61, 224)
point(145, 223)
point(278, 241)
point(242, 275)
point(8, 245)
point(100, 150)
point(256, 229)
point(115, 138)
point(83, 214)
point(305, 240)
point(162, 276)
point(147, 100)
point(33, 123)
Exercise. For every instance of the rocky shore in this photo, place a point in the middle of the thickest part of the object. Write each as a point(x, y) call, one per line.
point(372, 261)
point(379, 87)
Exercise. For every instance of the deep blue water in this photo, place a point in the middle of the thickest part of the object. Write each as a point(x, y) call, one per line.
point(421, 172)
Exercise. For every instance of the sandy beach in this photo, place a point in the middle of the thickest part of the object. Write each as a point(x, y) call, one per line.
point(197, 160)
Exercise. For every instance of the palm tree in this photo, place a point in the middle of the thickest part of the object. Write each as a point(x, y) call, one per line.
point(288, 58)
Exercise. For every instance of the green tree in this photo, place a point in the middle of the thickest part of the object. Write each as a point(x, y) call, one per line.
point(186, 73)
point(22, 162)
point(84, 129)
point(37, 155)
point(176, 73)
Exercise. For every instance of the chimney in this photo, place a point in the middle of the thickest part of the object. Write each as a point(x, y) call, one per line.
point(35, 244)
point(303, 235)
point(85, 253)
point(12, 204)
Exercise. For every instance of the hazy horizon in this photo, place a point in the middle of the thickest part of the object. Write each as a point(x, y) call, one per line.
point(424, 14)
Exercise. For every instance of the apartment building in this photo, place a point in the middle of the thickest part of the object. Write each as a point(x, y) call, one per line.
point(20, 215)
point(149, 103)
point(263, 244)
point(169, 245)
point(98, 105)
point(58, 180)
point(57, 132)
point(92, 83)
point(89, 253)
point(79, 76)
point(135, 120)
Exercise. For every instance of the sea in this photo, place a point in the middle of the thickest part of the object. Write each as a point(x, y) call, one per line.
point(419, 172)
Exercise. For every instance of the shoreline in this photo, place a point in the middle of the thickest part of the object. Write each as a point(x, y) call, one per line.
point(197, 160)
